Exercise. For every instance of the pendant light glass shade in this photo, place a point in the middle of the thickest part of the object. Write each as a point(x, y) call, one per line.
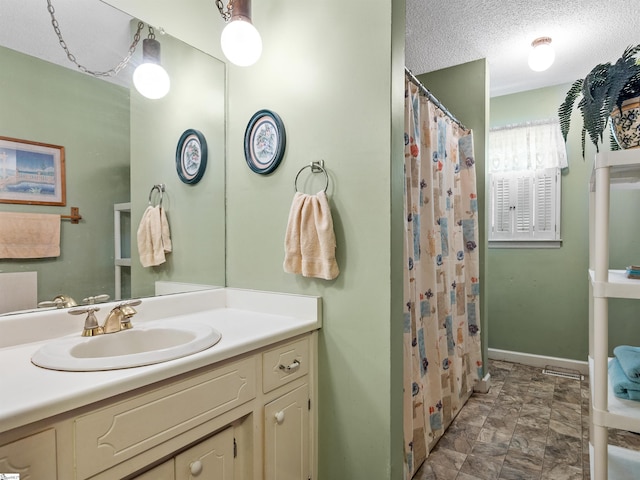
point(150, 78)
point(241, 43)
point(542, 54)
point(240, 40)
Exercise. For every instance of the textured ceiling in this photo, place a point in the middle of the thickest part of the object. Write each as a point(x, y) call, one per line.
point(444, 33)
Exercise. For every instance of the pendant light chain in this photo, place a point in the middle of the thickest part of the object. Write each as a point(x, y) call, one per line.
point(109, 73)
point(226, 15)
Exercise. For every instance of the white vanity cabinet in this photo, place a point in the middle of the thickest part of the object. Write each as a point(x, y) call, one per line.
point(248, 417)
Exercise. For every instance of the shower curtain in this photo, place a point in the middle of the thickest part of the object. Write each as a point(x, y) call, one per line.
point(442, 354)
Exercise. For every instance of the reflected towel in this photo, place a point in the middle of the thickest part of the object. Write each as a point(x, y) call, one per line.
point(629, 359)
point(154, 238)
point(622, 386)
point(310, 243)
point(29, 235)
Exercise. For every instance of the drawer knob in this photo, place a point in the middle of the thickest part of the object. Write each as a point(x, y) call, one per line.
point(280, 417)
point(290, 368)
point(196, 467)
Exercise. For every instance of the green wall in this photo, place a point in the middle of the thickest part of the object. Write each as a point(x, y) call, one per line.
point(195, 212)
point(47, 103)
point(330, 77)
point(464, 91)
point(538, 298)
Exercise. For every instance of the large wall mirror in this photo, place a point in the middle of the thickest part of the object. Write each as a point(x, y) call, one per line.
point(118, 145)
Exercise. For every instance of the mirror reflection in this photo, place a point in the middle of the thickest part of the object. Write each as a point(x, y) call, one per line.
point(118, 145)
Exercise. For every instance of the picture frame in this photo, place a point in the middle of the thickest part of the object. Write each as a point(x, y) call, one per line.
point(265, 142)
point(32, 173)
point(191, 156)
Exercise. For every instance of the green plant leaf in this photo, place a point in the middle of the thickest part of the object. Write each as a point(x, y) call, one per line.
point(565, 110)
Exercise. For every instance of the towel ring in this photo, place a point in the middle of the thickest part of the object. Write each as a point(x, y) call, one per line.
point(316, 167)
point(160, 188)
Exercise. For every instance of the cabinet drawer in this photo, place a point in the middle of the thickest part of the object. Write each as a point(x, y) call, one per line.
point(114, 434)
point(284, 363)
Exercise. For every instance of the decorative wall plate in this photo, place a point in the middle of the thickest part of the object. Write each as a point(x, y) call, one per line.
point(264, 142)
point(191, 156)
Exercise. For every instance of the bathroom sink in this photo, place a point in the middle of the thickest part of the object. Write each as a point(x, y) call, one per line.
point(144, 344)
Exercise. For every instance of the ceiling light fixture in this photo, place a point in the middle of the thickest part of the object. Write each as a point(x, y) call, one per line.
point(150, 78)
point(541, 55)
point(240, 40)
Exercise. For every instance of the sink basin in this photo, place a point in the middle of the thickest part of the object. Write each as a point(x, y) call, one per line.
point(144, 344)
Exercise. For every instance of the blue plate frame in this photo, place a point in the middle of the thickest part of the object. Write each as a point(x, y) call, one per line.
point(191, 156)
point(265, 142)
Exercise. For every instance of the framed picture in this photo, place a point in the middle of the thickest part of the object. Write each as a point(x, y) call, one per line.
point(31, 173)
point(191, 156)
point(264, 142)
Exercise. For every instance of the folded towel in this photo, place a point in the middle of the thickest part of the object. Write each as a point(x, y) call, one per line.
point(629, 359)
point(29, 235)
point(622, 386)
point(154, 239)
point(310, 243)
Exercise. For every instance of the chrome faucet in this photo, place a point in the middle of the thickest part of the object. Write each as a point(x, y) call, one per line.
point(119, 318)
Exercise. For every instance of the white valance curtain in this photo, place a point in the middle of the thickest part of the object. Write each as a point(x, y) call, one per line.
point(527, 146)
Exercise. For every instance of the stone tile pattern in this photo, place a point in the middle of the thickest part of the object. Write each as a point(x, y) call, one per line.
point(530, 426)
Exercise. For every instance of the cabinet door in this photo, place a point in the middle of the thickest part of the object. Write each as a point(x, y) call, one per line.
point(286, 440)
point(164, 471)
point(211, 459)
point(32, 457)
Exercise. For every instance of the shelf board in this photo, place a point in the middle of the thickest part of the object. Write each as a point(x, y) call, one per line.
point(123, 262)
point(622, 160)
point(623, 463)
point(618, 285)
point(622, 414)
point(122, 207)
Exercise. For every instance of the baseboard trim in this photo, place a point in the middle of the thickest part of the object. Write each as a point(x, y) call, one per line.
point(538, 360)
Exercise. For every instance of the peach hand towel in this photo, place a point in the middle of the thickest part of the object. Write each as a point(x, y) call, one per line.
point(153, 237)
point(310, 242)
point(29, 235)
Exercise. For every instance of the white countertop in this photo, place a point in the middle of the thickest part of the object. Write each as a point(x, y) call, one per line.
point(247, 320)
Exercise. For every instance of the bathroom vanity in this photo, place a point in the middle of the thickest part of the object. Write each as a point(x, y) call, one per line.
point(242, 409)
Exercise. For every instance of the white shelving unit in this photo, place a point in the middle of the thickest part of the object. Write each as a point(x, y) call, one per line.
point(620, 169)
point(120, 262)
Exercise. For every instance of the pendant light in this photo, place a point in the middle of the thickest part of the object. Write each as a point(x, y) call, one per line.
point(240, 40)
point(542, 54)
point(150, 78)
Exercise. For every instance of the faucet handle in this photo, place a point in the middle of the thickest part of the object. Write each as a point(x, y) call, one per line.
point(130, 303)
point(60, 301)
point(96, 299)
point(91, 326)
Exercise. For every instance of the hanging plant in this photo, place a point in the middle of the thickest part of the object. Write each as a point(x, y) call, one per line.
point(603, 91)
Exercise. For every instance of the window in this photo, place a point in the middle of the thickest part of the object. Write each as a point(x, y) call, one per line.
point(525, 163)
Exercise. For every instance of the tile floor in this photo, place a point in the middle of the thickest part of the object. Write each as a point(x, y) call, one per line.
point(529, 426)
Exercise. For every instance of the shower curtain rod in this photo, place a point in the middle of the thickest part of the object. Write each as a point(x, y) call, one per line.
point(432, 97)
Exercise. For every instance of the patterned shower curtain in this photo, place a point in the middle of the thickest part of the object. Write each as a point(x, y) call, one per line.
point(442, 354)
